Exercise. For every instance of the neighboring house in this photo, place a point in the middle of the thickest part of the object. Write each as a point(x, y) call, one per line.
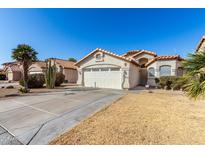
point(105, 69)
point(37, 67)
point(68, 68)
point(1, 71)
point(14, 70)
point(201, 45)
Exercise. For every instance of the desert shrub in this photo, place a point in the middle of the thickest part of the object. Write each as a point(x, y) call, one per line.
point(2, 77)
point(166, 82)
point(179, 83)
point(65, 81)
point(156, 80)
point(34, 81)
point(23, 90)
point(157, 83)
point(60, 77)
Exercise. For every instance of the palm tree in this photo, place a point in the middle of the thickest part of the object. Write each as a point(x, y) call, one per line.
point(195, 75)
point(25, 54)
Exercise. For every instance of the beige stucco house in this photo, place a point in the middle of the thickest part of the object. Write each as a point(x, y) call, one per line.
point(201, 45)
point(68, 68)
point(14, 70)
point(37, 67)
point(106, 69)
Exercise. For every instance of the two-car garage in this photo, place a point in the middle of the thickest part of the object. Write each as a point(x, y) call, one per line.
point(103, 77)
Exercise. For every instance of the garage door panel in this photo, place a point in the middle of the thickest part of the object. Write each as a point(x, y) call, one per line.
point(103, 79)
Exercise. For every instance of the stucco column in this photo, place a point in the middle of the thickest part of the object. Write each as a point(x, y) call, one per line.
point(80, 77)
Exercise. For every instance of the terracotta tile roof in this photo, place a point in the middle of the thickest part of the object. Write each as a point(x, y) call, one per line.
point(168, 57)
point(109, 53)
point(11, 63)
point(15, 68)
point(40, 63)
point(145, 51)
point(130, 53)
point(134, 53)
point(65, 63)
point(200, 43)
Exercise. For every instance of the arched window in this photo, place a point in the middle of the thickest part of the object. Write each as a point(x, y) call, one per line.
point(98, 56)
point(142, 62)
point(151, 72)
point(165, 70)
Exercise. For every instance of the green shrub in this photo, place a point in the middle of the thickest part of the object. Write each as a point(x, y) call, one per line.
point(179, 83)
point(60, 77)
point(2, 77)
point(34, 81)
point(166, 82)
point(156, 80)
point(65, 81)
point(23, 90)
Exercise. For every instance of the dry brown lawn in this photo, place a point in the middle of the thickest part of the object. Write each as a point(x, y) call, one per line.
point(14, 91)
point(161, 117)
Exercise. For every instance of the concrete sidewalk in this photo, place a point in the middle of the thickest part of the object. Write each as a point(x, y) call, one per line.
point(7, 139)
point(39, 119)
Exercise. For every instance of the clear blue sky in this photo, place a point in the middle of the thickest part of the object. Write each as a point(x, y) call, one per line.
point(64, 33)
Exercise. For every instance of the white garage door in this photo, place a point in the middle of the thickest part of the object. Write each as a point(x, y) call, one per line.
point(103, 78)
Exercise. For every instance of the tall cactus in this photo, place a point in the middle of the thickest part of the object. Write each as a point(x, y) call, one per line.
point(50, 74)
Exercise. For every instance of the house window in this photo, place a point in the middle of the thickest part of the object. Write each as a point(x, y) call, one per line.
point(151, 72)
point(95, 69)
point(114, 69)
point(105, 69)
point(87, 69)
point(165, 70)
point(98, 56)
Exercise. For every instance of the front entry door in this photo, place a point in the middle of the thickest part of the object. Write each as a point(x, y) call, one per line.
point(143, 76)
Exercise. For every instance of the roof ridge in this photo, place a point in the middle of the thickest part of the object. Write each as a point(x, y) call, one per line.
point(110, 53)
point(199, 44)
point(59, 59)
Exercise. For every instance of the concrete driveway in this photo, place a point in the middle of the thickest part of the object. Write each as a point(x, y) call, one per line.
point(38, 119)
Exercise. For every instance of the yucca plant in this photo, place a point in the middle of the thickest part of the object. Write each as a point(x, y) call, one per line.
point(195, 75)
point(50, 74)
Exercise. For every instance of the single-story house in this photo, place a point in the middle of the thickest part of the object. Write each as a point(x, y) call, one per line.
point(13, 70)
point(37, 67)
point(1, 71)
point(68, 68)
point(105, 69)
point(201, 45)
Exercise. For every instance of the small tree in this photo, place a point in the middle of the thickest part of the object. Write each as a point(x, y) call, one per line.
point(24, 54)
point(72, 59)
